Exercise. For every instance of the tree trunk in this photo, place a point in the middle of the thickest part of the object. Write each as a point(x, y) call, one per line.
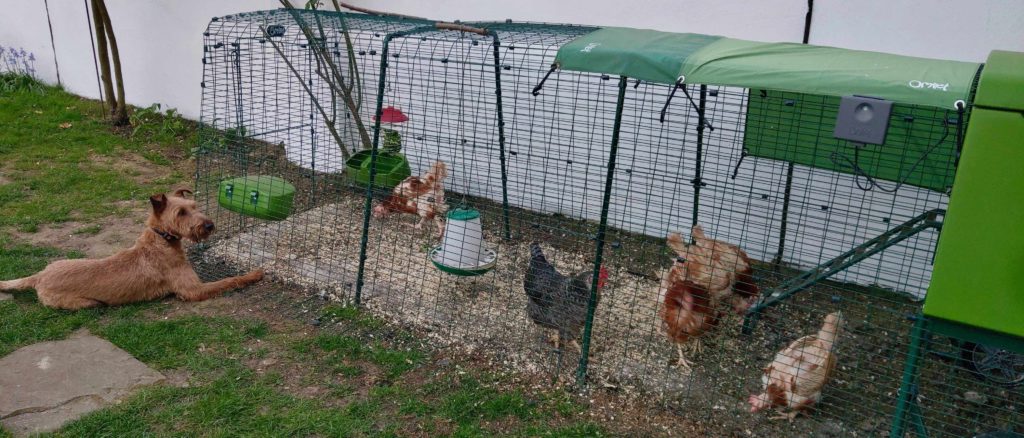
point(120, 111)
point(332, 76)
point(104, 59)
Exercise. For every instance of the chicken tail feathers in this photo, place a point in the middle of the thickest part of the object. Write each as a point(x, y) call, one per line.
point(675, 241)
point(437, 172)
point(698, 233)
point(830, 329)
point(536, 253)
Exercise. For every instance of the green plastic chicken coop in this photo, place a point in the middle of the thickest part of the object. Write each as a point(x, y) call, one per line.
point(980, 260)
point(976, 293)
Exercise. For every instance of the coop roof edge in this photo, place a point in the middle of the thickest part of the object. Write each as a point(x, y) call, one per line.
point(664, 57)
point(325, 13)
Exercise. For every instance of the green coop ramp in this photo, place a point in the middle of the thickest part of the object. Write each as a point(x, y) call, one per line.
point(664, 57)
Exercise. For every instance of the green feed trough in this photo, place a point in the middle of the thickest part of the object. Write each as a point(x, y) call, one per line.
point(392, 168)
point(259, 196)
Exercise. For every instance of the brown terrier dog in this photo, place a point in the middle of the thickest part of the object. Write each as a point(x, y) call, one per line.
point(154, 268)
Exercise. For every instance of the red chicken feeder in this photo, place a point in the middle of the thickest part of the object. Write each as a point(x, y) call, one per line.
point(392, 115)
point(462, 251)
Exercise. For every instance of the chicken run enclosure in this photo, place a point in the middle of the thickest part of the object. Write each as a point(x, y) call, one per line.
point(830, 170)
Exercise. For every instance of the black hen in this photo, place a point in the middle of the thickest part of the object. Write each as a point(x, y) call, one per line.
point(556, 301)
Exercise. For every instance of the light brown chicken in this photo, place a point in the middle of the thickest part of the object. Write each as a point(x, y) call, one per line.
point(419, 195)
point(721, 268)
point(795, 378)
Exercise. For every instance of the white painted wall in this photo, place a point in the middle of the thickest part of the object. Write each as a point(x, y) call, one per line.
point(160, 44)
point(780, 20)
point(160, 41)
point(944, 29)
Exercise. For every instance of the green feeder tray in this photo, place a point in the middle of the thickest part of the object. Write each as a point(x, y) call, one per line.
point(490, 259)
point(392, 168)
point(259, 196)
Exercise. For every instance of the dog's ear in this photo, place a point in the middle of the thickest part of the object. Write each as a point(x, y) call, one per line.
point(181, 192)
point(159, 203)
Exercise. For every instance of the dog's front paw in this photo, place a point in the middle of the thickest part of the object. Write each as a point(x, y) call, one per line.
point(254, 276)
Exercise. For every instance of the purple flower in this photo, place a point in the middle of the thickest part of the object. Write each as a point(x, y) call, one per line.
point(31, 56)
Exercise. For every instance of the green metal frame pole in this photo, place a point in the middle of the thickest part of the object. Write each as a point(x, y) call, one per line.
point(908, 386)
point(786, 196)
point(602, 228)
point(501, 134)
point(697, 180)
point(788, 193)
point(368, 203)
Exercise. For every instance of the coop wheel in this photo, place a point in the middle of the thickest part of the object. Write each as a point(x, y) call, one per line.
point(1001, 367)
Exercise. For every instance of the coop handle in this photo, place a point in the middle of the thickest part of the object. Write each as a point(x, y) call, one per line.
point(461, 28)
point(229, 190)
point(254, 196)
point(377, 13)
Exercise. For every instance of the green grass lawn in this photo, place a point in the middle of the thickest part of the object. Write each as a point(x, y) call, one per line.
point(237, 375)
point(53, 150)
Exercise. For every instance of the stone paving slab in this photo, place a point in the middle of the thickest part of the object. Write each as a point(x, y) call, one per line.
point(45, 385)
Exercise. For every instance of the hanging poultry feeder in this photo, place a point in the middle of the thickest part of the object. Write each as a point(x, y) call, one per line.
point(392, 167)
point(462, 251)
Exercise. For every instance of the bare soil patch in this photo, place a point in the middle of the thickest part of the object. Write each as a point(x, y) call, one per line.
point(98, 239)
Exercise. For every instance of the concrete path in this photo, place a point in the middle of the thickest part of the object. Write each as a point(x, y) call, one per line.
point(45, 385)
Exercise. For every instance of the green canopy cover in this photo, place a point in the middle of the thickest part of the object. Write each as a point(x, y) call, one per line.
point(665, 57)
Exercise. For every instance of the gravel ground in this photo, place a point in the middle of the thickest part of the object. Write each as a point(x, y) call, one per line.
point(630, 360)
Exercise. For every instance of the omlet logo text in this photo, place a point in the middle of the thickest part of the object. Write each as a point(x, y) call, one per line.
point(928, 85)
point(590, 47)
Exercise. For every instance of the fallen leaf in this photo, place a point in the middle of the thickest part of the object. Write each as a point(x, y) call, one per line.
point(65, 125)
point(37, 112)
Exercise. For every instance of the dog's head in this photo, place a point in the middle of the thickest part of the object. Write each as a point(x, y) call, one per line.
point(178, 216)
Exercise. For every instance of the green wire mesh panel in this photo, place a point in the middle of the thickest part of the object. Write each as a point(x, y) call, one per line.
point(260, 122)
point(778, 127)
point(598, 170)
point(446, 82)
point(959, 386)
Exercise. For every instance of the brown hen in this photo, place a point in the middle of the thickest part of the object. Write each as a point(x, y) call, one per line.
point(419, 195)
point(721, 268)
point(688, 310)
